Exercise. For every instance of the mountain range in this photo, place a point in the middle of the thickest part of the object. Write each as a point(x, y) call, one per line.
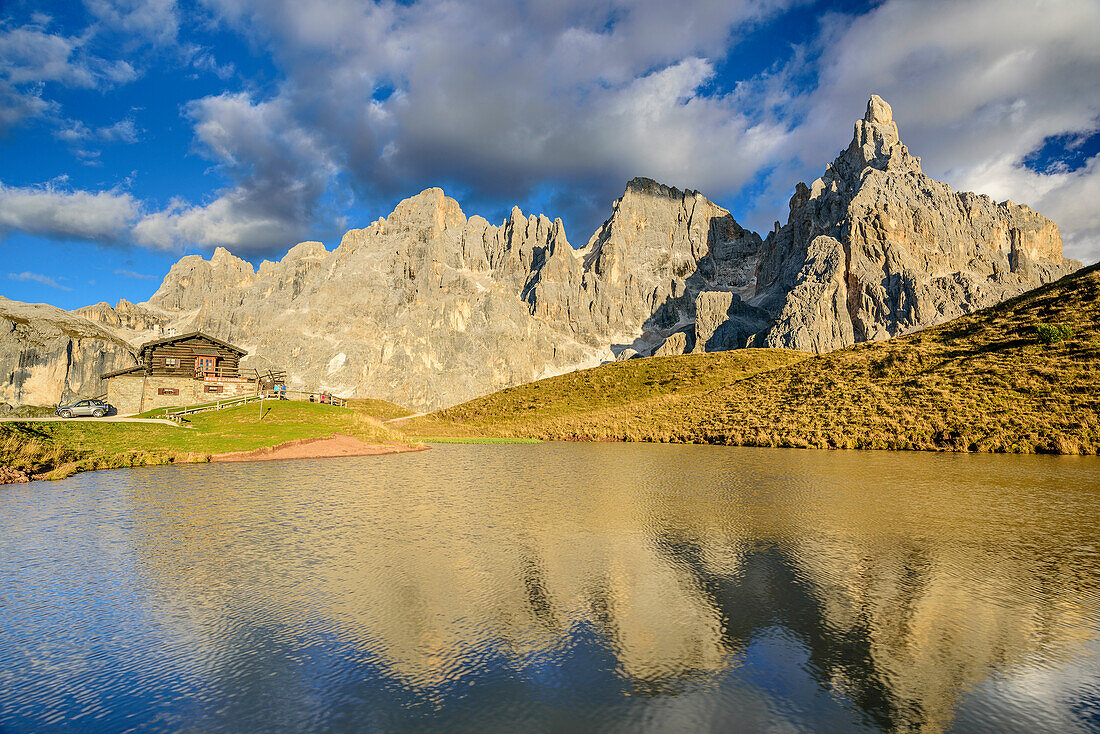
point(428, 307)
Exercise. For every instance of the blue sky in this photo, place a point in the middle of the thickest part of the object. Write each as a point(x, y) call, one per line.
point(132, 133)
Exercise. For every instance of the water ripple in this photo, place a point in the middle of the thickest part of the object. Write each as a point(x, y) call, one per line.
point(560, 587)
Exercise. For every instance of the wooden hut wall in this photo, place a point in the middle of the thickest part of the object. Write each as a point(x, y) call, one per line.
point(185, 353)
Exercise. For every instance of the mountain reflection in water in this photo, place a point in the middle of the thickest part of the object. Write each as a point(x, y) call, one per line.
point(561, 587)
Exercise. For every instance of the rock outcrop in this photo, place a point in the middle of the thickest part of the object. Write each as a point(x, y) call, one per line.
point(133, 323)
point(875, 248)
point(659, 249)
point(50, 355)
point(428, 308)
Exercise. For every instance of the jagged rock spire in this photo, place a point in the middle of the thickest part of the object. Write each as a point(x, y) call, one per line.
point(878, 111)
point(875, 248)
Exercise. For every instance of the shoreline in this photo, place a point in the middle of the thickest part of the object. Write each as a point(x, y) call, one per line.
point(326, 447)
point(323, 447)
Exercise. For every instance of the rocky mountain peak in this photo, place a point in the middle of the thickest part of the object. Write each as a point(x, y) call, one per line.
point(875, 248)
point(305, 249)
point(194, 282)
point(224, 258)
point(876, 142)
point(644, 192)
point(431, 211)
point(878, 111)
point(51, 355)
point(643, 185)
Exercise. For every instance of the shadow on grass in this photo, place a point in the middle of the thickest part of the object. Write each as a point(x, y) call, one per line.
point(27, 430)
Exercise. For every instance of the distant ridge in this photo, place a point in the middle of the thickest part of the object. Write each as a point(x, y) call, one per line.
point(428, 308)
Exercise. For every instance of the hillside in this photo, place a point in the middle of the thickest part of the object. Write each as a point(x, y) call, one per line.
point(983, 382)
point(61, 448)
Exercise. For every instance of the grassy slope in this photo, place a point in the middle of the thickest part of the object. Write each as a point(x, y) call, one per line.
point(569, 404)
point(87, 444)
point(380, 409)
point(983, 382)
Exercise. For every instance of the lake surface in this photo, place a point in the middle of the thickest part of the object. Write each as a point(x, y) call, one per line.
point(557, 587)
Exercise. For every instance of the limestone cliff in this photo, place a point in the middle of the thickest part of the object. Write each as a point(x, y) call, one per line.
point(652, 257)
point(875, 248)
point(428, 308)
point(49, 355)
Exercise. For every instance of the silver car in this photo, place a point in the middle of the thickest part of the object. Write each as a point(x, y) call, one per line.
point(94, 408)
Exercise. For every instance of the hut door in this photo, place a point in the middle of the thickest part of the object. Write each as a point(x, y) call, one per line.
point(204, 364)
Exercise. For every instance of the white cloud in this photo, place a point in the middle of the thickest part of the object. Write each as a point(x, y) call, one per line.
point(133, 274)
point(20, 105)
point(73, 132)
point(203, 60)
point(231, 221)
point(49, 211)
point(123, 131)
point(279, 168)
point(38, 278)
point(30, 55)
point(152, 21)
point(30, 58)
point(76, 132)
point(502, 97)
point(976, 86)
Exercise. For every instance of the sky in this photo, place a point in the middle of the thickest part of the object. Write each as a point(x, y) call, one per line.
point(133, 133)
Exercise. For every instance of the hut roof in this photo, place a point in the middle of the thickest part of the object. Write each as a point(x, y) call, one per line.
point(123, 371)
point(191, 335)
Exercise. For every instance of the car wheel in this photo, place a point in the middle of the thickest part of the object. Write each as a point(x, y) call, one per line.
point(66, 414)
point(98, 412)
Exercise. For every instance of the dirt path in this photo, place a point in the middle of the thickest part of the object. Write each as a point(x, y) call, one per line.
point(317, 448)
point(404, 418)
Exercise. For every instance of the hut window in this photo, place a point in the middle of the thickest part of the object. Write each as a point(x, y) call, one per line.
point(168, 391)
point(213, 388)
point(171, 362)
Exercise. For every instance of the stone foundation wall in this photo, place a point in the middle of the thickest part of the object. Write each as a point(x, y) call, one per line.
point(124, 393)
point(138, 393)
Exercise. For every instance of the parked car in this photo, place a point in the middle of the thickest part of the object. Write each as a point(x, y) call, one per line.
point(94, 408)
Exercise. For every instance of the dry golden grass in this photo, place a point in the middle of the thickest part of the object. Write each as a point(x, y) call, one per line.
point(380, 409)
point(560, 406)
point(984, 382)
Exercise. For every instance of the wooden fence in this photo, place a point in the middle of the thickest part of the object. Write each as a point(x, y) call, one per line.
point(178, 414)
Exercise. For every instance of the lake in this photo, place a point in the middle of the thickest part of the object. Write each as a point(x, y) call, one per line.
point(557, 587)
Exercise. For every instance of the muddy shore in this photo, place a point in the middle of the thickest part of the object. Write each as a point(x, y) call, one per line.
point(317, 448)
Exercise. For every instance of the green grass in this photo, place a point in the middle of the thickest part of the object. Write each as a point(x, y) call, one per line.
point(63, 448)
point(984, 382)
point(161, 412)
